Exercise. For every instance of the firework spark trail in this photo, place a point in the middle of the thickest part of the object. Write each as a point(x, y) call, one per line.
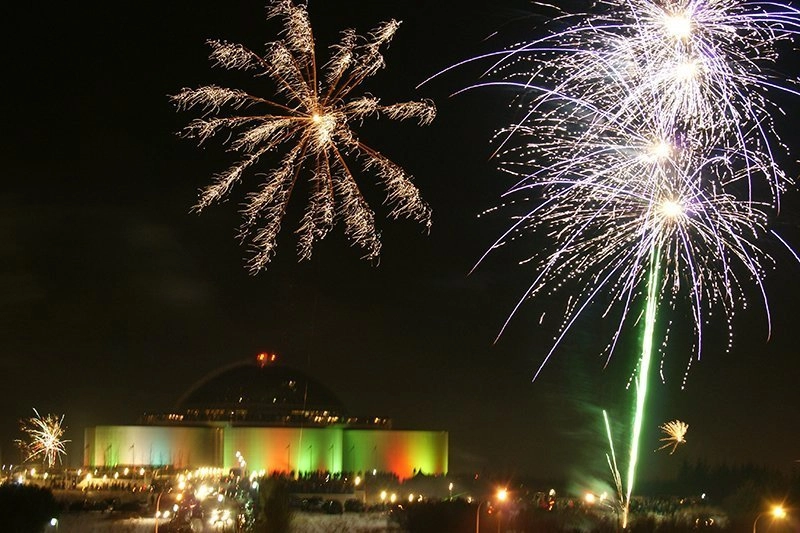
point(707, 60)
point(603, 224)
point(612, 461)
point(647, 146)
point(312, 113)
point(45, 438)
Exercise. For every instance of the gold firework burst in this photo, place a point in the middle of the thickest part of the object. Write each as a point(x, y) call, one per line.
point(675, 434)
point(311, 119)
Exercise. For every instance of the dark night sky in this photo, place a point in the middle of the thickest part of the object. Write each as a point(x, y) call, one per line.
point(115, 298)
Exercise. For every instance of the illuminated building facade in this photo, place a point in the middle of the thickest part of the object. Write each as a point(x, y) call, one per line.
point(277, 419)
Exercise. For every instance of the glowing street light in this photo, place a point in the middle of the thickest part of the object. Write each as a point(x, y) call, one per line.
point(777, 512)
point(500, 496)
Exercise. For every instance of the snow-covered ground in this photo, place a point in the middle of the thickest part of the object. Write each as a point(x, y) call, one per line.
point(301, 523)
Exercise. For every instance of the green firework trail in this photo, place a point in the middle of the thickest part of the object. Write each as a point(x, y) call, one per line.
point(642, 376)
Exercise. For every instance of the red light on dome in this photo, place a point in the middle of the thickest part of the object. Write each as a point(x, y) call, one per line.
point(263, 358)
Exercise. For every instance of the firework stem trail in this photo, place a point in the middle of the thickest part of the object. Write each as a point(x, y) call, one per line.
point(612, 461)
point(644, 370)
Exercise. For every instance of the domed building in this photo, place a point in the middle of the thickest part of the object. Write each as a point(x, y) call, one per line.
point(260, 392)
point(277, 419)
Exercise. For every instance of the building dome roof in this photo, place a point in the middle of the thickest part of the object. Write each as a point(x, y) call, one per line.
point(259, 391)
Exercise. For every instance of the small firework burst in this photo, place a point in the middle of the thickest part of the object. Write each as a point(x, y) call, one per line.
point(44, 438)
point(675, 434)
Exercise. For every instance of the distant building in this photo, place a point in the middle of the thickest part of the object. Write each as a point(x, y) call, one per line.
point(273, 417)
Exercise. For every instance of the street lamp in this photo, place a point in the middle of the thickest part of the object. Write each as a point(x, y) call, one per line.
point(777, 512)
point(501, 496)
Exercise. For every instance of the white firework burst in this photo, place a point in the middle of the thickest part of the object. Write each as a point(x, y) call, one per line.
point(45, 438)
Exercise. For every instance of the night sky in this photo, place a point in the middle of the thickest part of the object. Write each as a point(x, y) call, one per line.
point(116, 298)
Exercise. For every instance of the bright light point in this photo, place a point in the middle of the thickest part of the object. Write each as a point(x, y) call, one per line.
point(502, 495)
point(658, 150)
point(54, 522)
point(671, 209)
point(590, 498)
point(778, 512)
point(686, 70)
point(662, 149)
point(316, 117)
point(678, 26)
